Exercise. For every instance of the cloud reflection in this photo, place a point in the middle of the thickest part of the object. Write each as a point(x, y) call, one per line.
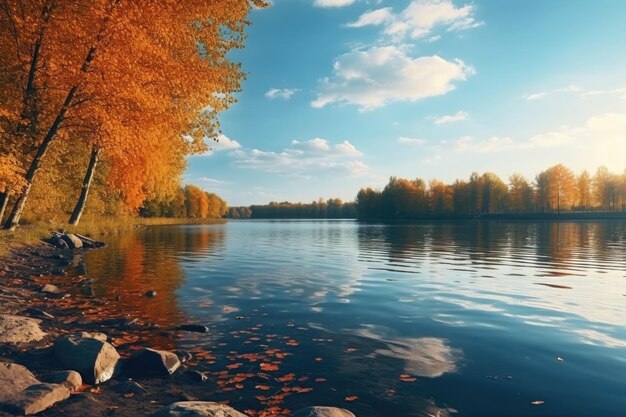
point(429, 357)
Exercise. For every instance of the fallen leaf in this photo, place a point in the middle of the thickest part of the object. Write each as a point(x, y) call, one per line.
point(351, 398)
point(268, 367)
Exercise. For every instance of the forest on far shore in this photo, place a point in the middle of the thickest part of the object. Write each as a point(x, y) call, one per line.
point(553, 191)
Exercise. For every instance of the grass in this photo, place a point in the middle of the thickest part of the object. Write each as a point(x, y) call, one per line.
point(94, 227)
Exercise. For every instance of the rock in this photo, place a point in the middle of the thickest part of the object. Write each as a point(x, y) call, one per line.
point(151, 293)
point(197, 409)
point(197, 328)
point(50, 289)
point(70, 379)
point(57, 241)
point(35, 312)
point(36, 398)
point(18, 329)
point(320, 411)
point(197, 376)
point(152, 362)
point(130, 386)
point(72, 241)
point(14, 379)
point(95, 359)
point(94, 335)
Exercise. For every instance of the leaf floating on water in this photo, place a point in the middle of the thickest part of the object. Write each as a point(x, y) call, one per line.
point(537, 402)
point(320, 379)
point(350, 350)
point(262, 387)
point(286, 378)
point(407, 378)
point(351, 398)
point(292, 342)
point(268, 367)
point(318, 359)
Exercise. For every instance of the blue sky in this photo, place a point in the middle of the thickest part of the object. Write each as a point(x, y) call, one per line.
point(343, 94)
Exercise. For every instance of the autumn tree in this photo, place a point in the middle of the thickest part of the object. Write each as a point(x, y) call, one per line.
point(440, 197)
point(11, 180)
point(584, 185)
point(605, 188)
point(520, 194)
point(217, 207)
point(123, 77)
point(494, 193)
point(368, 203)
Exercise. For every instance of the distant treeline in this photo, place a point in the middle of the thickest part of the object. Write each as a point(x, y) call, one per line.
point(555, 190)
point(330, 209)
point(190, 202)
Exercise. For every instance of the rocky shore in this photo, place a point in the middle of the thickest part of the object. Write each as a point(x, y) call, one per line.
point(60, 356)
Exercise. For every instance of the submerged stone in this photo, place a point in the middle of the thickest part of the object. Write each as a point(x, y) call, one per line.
point(197, 409)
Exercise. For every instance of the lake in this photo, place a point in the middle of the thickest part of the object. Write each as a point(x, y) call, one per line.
point(431, 319)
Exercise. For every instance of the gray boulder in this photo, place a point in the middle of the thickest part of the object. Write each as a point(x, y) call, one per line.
point(36, 398)
point(95, 359)
point(320, 411)
point(14, 379)
point(152, 362)
point(72, 241)
point(70, 379)
point(197, 409)
point(18, 329)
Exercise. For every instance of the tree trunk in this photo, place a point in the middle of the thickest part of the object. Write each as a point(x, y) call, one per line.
point(4, 199)
point(91, 169)
point(18, 209)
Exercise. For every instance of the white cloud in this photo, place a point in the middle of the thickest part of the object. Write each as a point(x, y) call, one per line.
point(469, 144)
point(420, 18)
point(410, 141)
point(282, 93)
point(543, 94)
point(451, 118)
point(332, 3)
point(380, 75)
point(211, 181)
point(223, 143)
point(313, 156)
point(621, 92)
point(601, 140)
point(374, 18)
point(535, 96)
point(346, 148)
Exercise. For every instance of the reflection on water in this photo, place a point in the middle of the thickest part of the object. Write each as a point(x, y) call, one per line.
point(440, 319)
point(136, 263)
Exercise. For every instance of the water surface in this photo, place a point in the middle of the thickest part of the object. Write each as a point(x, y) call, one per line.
point(436, 319)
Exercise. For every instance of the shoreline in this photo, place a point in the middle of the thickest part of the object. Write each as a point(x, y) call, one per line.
point(23, 272)
point(26, 268)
